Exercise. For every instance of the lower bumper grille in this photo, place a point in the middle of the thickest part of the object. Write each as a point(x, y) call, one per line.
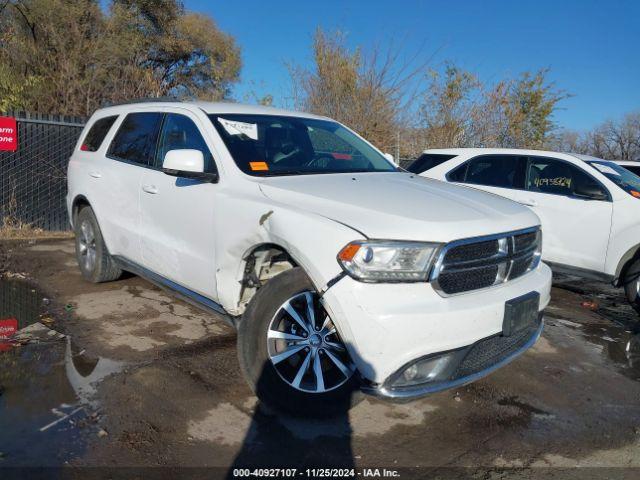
point(490, 351)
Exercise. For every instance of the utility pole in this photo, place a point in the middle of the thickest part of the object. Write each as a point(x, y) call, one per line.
point(398, 148)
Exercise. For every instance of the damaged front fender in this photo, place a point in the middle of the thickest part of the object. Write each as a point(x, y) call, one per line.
point(312, 241)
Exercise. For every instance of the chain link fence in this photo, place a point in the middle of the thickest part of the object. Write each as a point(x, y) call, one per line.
point(33, 179)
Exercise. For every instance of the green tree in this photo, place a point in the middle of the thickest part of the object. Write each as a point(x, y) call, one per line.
point(72, 57)
point(459, 111)
point(528, 104)
point(449, 111)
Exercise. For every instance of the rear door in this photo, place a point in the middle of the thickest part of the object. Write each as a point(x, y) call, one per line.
point(575, 229)
point(130, 153)
point(503, 175)
point(177, 214)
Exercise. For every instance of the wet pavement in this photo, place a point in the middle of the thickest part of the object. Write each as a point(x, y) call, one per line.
point(47, 387)
point(149, 381)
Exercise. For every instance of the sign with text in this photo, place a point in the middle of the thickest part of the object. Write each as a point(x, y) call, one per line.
point(8, 134)
point(8, 327)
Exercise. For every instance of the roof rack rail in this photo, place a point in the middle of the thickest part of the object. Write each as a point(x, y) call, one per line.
point(143, 100)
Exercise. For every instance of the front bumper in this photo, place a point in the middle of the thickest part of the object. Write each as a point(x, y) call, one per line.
point(387, 326)
point(489, 364)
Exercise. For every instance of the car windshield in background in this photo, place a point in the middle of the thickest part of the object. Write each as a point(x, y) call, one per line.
point(622, 177)
point(269, 145)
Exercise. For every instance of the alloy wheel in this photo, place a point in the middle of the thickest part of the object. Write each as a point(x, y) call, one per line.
point(305, 348)
point(87, 246)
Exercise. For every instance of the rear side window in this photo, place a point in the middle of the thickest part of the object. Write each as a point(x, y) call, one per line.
point(96, 134)
point(427, 161)
point(504, 171)
point(136, 138)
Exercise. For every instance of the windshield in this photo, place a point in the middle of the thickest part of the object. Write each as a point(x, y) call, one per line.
point(622, 177)
point(269, 145)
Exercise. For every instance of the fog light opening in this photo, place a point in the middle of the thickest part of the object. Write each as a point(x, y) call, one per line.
point(428, 370)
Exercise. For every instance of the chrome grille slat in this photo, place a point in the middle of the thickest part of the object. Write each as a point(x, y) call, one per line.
point(461, 267)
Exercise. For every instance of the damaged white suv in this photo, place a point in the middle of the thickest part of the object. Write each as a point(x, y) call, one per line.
point(340, 271)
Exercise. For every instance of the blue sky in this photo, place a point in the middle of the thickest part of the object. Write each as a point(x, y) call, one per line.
point(591, 47)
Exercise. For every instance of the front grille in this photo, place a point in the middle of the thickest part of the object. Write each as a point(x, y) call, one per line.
point(486, 353)
point(471, 251)
point(454, 282)
point(524, 241)
point(476, 263)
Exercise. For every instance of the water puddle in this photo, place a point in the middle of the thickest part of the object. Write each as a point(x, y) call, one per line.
point(47, 386)
point(610, 301)
point(617, 337)
point(618, 344)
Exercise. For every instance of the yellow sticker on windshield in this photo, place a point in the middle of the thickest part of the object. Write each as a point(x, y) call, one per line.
point(258, 166)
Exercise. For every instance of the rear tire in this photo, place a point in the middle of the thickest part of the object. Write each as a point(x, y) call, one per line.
point(310, 382)
point(94, 260)
point(631, 283)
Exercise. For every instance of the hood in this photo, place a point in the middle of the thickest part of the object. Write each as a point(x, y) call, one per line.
point(400, 206)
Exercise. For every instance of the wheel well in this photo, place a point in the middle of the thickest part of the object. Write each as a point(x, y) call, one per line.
point(78, 204)
point(627, 260)
point(261, 264)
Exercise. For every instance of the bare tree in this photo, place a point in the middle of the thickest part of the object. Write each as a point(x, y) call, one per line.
point(373, 92)
point(613, 140)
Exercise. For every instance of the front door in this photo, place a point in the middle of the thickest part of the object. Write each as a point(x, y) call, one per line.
point(575, 229)
point(177, 214)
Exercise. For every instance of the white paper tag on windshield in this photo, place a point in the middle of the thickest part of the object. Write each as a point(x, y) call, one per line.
point(605, 169)
point(238, 128)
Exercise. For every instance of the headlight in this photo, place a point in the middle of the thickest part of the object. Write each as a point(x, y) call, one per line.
point(388, 261)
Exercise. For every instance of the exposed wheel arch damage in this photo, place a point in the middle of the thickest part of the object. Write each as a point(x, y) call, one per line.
point(261, 264)
point(271, 239)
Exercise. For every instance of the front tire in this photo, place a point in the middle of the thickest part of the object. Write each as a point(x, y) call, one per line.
point(94, 260)
point(291, 353)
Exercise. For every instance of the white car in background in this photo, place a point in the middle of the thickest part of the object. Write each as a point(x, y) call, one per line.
point(633, 167)
point(589, 208)
point(338, 269)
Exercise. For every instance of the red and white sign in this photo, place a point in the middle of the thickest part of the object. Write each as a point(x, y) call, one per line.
point(8, 134)
point(8, 327)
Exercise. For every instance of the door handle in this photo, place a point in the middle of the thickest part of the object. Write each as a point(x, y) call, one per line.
point(152, 189)
point(95, 174)
point(529, 203)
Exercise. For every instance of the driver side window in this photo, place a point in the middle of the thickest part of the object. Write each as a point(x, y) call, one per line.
point(332, 151)
point(547, 175)
point(179, 132)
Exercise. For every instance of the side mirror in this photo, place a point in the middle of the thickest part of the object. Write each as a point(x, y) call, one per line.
point(389, 157)
point(187, 163)
point(589, 191)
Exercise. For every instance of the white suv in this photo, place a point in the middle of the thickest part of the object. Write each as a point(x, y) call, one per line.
point(589, 207)
point(339, 270)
